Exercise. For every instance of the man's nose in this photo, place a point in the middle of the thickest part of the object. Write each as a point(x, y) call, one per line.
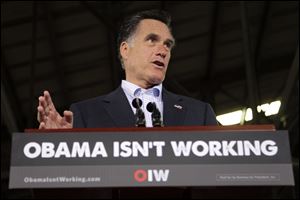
point(161, 54)
point(162, 51)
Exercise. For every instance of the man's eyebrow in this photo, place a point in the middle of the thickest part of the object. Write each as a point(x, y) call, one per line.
point(153, 35)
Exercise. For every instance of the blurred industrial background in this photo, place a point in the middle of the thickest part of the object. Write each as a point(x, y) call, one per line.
point(234, 55)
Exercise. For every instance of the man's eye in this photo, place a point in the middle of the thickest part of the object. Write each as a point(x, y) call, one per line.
point(151, 40)
point(168, 45)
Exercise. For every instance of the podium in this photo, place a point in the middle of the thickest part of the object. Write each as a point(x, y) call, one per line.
point(169, 162)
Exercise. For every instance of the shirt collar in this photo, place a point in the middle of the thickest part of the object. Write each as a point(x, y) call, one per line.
point(135, 91)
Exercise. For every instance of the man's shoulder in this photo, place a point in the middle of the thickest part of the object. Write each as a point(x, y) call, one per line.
point(98, 99)
point(90, 101)
point(183, 98)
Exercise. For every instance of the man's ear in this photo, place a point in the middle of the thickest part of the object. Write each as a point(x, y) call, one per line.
point(124, 50)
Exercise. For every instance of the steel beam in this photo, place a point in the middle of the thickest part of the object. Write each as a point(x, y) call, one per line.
point(32, 107)
point(109, 20)
point(291, 79)
point(259, 44)
point(251, 79)
point(214, 30)
point(210, 65)
point(102, 18)
point(11, 106)
point(60, 70)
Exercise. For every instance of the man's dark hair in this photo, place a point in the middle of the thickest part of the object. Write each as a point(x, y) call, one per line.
point(130, 24)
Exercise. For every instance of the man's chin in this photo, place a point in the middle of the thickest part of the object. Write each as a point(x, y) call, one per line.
point(156, 80)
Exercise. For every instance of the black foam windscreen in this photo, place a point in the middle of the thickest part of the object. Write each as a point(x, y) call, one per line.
point(137, 103)
point(150, 107)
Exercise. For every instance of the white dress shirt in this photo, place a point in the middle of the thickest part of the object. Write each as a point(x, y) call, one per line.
point(153, 94)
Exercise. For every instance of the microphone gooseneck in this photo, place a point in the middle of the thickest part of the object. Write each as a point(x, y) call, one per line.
point(140, 116)
point(156, 116)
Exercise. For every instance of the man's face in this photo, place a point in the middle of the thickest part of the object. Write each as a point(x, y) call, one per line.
point(146, 56)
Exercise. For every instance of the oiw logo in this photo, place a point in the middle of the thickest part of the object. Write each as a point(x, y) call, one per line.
point(151, 175)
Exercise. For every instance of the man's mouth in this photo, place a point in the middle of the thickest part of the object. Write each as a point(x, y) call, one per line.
point(159, 64)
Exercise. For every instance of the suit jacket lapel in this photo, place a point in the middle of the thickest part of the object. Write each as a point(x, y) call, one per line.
point(174, 109)
point(118, 108)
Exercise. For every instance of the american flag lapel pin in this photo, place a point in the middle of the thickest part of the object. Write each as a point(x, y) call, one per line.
point(178, 106)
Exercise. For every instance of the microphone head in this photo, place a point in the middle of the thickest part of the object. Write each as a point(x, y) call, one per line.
point(150, 107)
point(137, 103)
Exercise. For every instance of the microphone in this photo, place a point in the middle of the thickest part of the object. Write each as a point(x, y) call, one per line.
point(137, 103)
point(156, 116)
point(140, 116)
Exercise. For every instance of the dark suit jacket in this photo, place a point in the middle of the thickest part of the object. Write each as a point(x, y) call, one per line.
point(114, 110)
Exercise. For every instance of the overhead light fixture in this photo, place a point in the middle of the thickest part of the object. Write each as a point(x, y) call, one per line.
point(235, 117)
point(230, 118)
point(270, 109)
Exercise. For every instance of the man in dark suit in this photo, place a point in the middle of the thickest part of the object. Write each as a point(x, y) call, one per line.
point(145, 43)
